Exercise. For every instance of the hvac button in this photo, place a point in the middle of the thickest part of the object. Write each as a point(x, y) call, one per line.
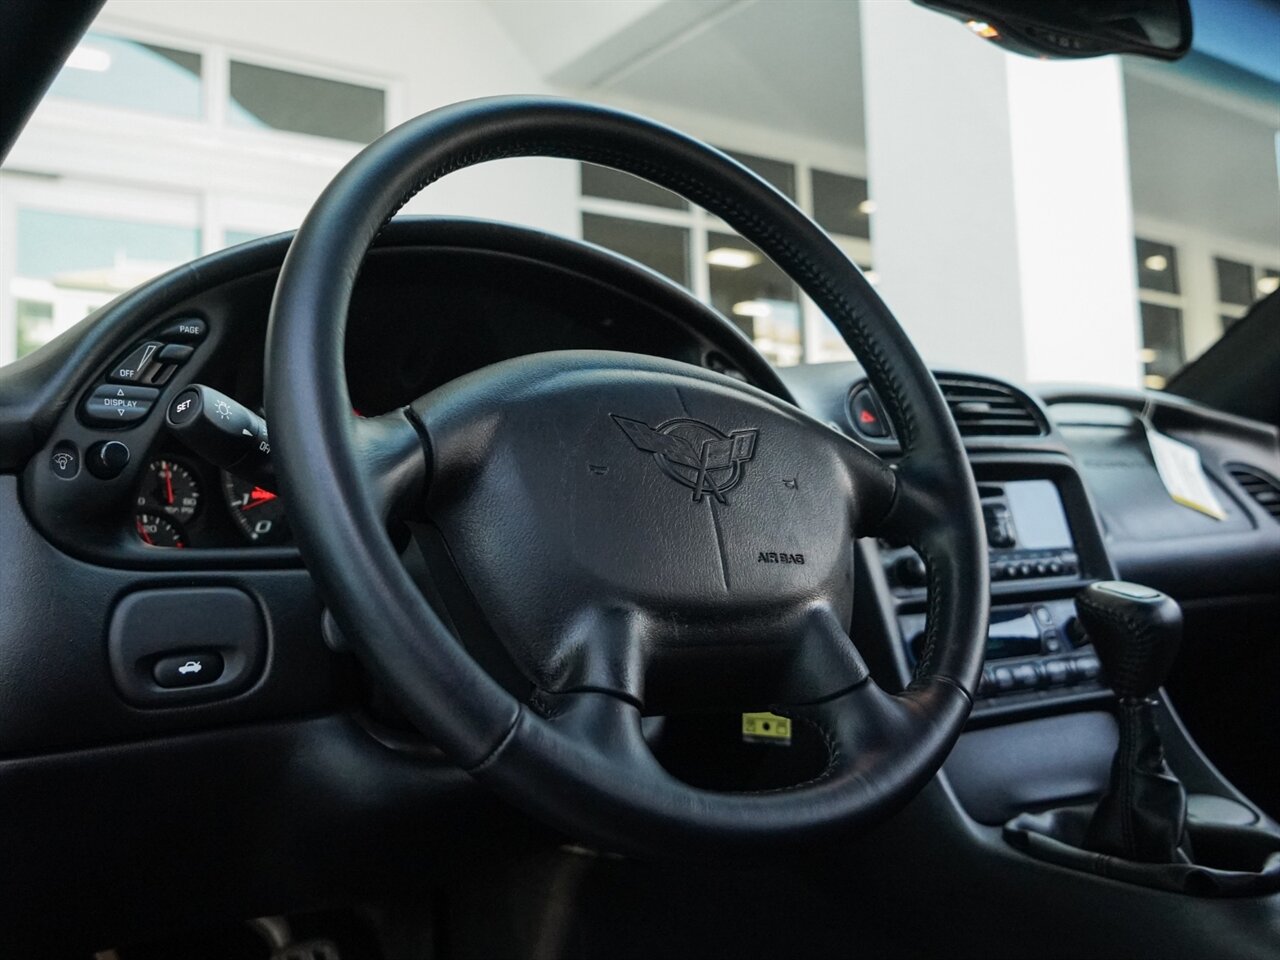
point(188, 670)
point(119, 404)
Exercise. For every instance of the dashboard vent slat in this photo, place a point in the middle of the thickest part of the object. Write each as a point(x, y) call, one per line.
point(1261, 488)
point(989, 409)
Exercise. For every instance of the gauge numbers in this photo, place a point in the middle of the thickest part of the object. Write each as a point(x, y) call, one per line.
point(168, 497)
point(156, 531)
point(168, 488)
point(256, 510)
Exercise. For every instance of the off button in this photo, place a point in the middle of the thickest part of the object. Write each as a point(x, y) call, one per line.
point(119, 404)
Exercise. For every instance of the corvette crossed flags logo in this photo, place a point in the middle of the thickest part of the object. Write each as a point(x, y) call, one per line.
point(694, 453)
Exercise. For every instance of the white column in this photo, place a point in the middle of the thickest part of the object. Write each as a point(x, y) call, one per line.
point(1003, 233)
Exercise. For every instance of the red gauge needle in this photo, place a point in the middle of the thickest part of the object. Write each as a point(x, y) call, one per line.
point(168, 483)
point(142, 532)
point(257, 497)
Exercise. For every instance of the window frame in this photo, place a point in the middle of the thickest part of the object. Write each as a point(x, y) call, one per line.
point(216, 89)
point(1196, 249)
point(86, 198)
point(701, 224)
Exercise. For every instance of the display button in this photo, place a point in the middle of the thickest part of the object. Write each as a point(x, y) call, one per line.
point(132, 367)
point(1003, 678)
point(1044, 615)
point(867, 414)
point(1052, 641)
point(119, 404)
point(188, 669)
point(106, 460)
point(176, 353)
point(64, 461)
point(189, 330)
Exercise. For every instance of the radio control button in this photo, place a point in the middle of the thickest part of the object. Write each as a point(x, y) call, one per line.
point(1003, 678)
point(1025, 676)
point(1057, 672)
point(1088, 667)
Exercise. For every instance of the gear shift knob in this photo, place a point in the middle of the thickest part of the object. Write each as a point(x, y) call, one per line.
point(1135, 630)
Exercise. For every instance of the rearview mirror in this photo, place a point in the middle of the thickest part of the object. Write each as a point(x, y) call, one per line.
point(1074, 29)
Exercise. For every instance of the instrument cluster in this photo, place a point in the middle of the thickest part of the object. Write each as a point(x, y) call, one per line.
point(182, 501)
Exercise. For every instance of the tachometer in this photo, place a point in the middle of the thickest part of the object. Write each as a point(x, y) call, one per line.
point(156, 531)
point(257, 511)
point(170, 489)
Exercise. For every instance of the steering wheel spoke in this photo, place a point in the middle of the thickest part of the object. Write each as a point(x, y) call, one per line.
point(393, 458)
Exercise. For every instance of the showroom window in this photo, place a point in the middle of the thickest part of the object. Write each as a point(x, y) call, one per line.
point(1160, 309)
point(131, 75)
point(266, 98)
point(235, 146)
point(662, 231)
point(1239, 285)
point(121, 73)
point(1189, 294)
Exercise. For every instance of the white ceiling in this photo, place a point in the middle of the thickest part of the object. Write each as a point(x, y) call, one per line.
point(794, 66)
point(1194, 161)
point(1200, 156)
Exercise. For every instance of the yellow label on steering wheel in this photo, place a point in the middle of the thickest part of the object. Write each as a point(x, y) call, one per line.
point(766, 728)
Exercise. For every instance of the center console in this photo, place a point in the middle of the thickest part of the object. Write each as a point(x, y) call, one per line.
point(1044, 546)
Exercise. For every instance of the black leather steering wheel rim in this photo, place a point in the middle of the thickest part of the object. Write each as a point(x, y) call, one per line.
point(575, 759)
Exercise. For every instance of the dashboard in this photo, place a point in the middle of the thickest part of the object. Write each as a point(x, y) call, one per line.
point(436, 299)
point(159, 627)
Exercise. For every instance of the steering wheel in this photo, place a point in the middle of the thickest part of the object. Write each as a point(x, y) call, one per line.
point(643, 536)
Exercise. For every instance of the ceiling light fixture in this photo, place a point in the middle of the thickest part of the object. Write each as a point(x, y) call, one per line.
point(983, 29)
point(1157, 262)
point(752, 308)
point(1268, 285)
point(867, 207)
point(732, 258)
point(85, 57)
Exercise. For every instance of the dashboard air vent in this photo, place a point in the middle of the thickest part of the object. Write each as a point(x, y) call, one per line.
point(986, 408)
point(1264, 490)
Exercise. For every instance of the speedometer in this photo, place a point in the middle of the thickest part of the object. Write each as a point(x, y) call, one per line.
point(256, 510)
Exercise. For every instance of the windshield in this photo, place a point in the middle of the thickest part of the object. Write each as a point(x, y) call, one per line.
point(1095, 221)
